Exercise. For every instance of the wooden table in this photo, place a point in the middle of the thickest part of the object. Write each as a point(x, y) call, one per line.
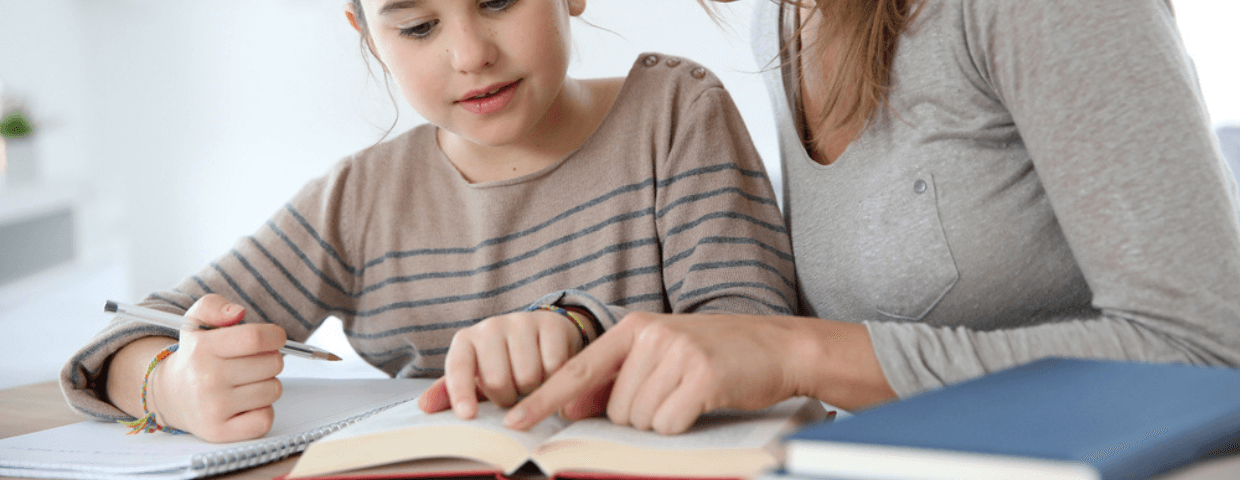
point(41, 406)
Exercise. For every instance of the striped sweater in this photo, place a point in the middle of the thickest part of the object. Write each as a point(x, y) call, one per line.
point(665, 208)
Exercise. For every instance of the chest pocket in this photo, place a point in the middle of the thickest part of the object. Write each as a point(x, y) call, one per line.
point(905, 264)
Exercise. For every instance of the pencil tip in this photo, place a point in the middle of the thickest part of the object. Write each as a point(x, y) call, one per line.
point(333, 357)
point(109, 307)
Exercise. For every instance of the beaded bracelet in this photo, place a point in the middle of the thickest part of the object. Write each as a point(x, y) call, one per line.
point(147, 422)
point(581, 326)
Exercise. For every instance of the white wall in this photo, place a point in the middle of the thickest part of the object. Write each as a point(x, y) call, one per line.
point(183, 124)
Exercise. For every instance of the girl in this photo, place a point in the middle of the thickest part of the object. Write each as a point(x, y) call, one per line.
point(584, 199)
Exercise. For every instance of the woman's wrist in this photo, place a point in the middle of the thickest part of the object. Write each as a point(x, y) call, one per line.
point(835, 362)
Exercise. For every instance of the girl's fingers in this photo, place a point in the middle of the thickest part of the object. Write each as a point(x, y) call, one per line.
point(215, 311)
point(254, 368)
point(435, 399)
point(256, 395)
point(554, 346)
point(241, 340)
point(244, 426)
point(460, 370)
point(494, 369)
point(526, 358)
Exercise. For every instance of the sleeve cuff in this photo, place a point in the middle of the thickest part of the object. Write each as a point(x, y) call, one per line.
point(904, 376)
point(607, 315)
point(80, 378)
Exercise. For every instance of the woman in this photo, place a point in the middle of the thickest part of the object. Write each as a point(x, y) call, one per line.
point(969, 185)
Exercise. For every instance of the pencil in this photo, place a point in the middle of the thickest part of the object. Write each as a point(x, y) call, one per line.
point(156, 317)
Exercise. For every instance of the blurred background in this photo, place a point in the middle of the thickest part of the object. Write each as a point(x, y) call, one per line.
point(161, 131)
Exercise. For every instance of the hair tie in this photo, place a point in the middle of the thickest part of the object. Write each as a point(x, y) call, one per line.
point(147, 422)
point(581, 326)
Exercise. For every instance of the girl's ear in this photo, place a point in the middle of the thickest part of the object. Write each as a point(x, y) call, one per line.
point(575, 7)
point(352, 16)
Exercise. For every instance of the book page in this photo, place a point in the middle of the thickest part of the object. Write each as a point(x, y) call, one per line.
point(721, 444)
point(490, 417)
point(93, 446)
point(722, 429)
point(404, 433)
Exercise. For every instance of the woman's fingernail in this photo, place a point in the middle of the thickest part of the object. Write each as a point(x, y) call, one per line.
point(230, 309)
point(515, 416)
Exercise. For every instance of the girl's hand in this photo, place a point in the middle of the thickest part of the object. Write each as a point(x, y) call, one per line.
point(500, 359)
point(661, 372)
point(219, 385)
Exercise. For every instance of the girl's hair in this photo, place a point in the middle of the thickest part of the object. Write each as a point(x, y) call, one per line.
point(361, 16)
point(367, 49)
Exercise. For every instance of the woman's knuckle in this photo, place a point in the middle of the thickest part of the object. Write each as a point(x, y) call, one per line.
point(638, 320)
point(577, 370)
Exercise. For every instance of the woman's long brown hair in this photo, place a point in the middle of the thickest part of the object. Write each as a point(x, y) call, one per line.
point(862, 35)
point(865, 34)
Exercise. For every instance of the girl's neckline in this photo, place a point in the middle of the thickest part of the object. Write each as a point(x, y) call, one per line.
point(605, 123)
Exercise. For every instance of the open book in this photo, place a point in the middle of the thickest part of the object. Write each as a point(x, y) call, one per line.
point(405, 442)
point(308, 409)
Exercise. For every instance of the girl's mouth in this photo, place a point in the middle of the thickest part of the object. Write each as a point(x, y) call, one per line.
point(489, 100)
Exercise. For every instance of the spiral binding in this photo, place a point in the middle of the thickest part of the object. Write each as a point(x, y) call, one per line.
point(254, 454)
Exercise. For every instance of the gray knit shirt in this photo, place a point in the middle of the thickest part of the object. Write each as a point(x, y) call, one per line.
point(666, 207)
point(1044, 184)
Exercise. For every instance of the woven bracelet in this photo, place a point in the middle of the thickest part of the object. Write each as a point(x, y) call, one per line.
point(147, 422)
point(581, 326)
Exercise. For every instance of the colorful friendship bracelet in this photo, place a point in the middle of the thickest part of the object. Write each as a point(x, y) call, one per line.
point(581, 326)
point(147, 422)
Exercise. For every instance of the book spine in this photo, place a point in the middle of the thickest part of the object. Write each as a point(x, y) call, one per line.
point(254, 454)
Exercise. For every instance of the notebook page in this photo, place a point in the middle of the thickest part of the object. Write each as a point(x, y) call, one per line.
point(93, 449)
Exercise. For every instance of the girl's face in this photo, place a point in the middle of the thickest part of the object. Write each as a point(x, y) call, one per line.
point(486, 70)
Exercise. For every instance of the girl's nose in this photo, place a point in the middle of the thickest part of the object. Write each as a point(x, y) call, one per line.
point(473, 48)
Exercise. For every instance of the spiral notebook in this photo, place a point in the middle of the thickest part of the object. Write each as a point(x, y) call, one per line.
point(308, 409)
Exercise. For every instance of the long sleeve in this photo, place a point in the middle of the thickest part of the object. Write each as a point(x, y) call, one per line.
point(289, 273)
point(720, 233)
point(1106, 102)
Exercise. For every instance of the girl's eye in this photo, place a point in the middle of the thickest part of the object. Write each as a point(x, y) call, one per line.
point(420, 30)
point(497, 5)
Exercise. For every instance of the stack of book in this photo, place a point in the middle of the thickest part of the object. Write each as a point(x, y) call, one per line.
point(1051, 419)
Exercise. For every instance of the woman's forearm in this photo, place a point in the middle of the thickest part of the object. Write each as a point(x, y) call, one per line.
point(836, 363)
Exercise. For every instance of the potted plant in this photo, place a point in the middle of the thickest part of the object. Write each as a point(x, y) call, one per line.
point(16, 138)
point(15, 125)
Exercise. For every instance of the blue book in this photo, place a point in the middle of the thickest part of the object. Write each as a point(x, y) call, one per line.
point(1053, 418)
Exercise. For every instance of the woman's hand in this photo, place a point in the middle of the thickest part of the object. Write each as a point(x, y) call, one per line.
point(219, 385)
point(500, 359)
point(661, 372)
